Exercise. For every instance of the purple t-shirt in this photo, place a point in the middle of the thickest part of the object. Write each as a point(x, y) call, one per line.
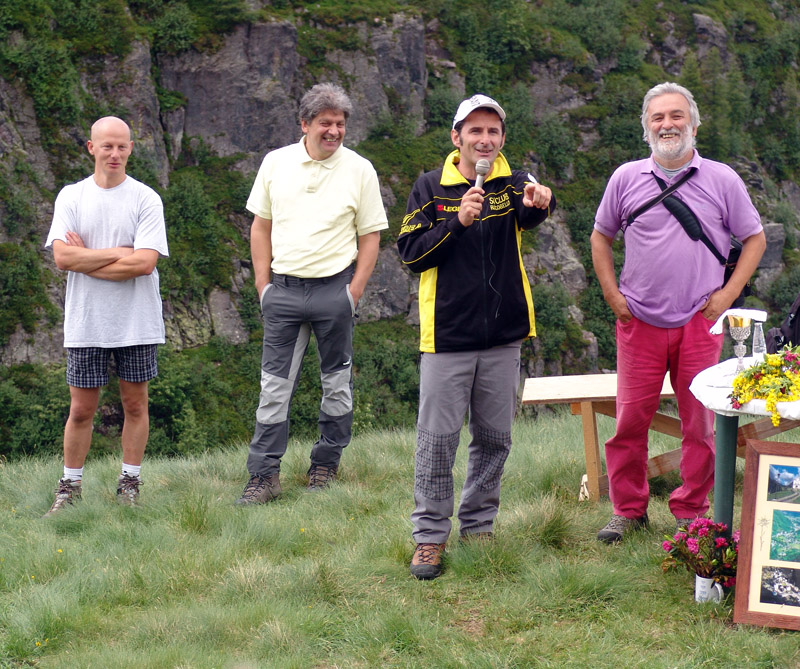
point(667, 277)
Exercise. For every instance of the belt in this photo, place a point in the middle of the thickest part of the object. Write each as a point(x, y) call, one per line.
point(288, 280)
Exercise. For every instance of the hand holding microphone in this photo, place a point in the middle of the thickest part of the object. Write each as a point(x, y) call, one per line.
point(472, 202)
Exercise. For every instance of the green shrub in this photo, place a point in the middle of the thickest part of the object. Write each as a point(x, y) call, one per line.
point(94, 27)
point(175, 30)
point(556, 332)
point(23, 298)
point(34, 404)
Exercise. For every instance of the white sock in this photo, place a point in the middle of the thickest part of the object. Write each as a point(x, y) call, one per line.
point(73, 474)
point(131, 470)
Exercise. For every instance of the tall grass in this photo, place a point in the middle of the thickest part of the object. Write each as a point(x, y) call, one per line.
point(321, 579)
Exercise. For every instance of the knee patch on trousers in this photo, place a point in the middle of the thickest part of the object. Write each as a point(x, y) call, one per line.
point(436, 454)
point(495, 447)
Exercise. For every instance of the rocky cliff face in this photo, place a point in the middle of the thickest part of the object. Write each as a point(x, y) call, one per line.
point(241, 100)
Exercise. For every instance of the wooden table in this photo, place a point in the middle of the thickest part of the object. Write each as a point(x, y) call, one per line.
point(730, 438)
point(592, 394)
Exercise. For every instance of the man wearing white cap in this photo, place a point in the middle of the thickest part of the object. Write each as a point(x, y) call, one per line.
point(463, 236)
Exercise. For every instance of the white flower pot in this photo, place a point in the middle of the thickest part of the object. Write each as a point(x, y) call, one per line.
point(707, 590)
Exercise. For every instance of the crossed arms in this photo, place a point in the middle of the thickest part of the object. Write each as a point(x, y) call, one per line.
point(118, 263)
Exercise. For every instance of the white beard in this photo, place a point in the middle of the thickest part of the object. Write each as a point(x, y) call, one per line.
point(670, 149)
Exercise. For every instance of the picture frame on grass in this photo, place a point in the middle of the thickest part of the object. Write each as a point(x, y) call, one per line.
point(768, 575)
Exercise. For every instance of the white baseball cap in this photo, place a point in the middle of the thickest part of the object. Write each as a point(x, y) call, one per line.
point(476, 102)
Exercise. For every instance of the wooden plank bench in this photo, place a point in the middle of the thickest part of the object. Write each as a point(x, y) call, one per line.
point(592, 394)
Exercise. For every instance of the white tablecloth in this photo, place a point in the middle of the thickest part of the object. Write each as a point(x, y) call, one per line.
point(713, 385)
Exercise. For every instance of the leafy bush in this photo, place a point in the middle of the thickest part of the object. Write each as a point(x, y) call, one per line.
point(34, 404)
point(23, 299)
point(175, 30)
point(556, 332)
point(94, 26)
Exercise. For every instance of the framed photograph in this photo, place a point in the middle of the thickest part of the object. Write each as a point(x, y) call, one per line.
point(768, 575)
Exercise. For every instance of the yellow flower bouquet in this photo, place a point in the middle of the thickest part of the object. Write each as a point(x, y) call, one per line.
point(775, 379)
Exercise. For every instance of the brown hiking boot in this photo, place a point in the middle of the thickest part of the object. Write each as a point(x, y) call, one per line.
point(67, 492)
point(128, 490)
point(260, 490)
point(618, 525)
point(427, 561)
point(320, 476)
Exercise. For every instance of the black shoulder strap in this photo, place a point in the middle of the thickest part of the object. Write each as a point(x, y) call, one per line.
point(664, 194)
point(689, 221)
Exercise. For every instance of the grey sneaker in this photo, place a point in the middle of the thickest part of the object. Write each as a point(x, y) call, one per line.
point(67, 492)
point(260, 490)
point(619, 525)
point(128, 490)
point(320, 476)
point(682, 524)
point(427, 561)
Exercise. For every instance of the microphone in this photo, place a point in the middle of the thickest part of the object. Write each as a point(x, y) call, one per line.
point(482, 168)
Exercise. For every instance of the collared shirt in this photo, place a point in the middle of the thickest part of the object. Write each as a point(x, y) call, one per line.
point(318, 208)
point(667, 276)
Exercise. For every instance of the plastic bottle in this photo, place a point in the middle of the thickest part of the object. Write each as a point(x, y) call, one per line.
point(759, 343)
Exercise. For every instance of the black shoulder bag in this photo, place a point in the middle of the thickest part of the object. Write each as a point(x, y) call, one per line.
point(690, 223)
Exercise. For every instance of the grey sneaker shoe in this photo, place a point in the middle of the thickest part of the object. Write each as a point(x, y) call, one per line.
point(619, 525)
point(427, 561)
point(67, 492)
point(320, 476)
point(260, 490)
point(682, 524)
point(128, 490)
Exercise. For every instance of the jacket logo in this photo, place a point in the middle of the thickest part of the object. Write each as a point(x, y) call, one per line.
point(499, 202)
point(409, 227)
point(448, 208)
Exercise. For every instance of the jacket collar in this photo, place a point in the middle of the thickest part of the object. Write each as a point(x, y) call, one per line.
point(452, 177)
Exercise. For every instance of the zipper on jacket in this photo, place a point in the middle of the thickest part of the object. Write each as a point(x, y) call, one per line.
point(484, 284)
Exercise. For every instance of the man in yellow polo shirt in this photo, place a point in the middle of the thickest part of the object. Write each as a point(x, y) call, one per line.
point(317, 220)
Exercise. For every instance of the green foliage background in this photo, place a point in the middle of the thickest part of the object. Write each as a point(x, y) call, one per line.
point(748, 96)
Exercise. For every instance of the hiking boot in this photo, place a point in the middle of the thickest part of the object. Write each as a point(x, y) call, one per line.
point(682, 524)
point(320, 476)
point(260, 490)
point(67, 492)
point(619, 525)
point(427, 561)
point(128, 490)
point(477, 538)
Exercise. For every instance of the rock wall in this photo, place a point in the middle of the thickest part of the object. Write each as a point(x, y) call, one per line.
point(242, 100)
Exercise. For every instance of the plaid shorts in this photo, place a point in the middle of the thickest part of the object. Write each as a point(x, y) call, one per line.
point(88, 367)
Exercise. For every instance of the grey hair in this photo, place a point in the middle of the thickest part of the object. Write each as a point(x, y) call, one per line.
point(324, 96)
point(664, 89)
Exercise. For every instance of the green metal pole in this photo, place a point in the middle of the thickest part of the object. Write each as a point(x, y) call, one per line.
point(725, 469)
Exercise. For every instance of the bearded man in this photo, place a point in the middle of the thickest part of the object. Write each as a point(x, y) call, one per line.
point(670, 293)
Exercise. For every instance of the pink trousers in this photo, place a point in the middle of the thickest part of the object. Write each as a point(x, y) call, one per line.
point(644, 354)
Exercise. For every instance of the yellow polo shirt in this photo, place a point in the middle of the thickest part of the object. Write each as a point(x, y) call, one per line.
point(318, 208)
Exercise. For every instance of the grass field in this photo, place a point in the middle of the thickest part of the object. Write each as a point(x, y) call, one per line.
point(321, 579)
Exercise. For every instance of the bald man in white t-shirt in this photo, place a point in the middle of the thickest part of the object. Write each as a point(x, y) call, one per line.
point(108, 232)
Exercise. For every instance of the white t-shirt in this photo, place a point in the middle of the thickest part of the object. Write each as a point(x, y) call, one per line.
point(100, 312)
point(318, 208)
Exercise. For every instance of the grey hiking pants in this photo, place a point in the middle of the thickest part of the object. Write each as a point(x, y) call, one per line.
point(485, 383)
point(292, 307)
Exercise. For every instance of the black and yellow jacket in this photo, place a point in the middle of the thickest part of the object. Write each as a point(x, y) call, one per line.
point(473, 291)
